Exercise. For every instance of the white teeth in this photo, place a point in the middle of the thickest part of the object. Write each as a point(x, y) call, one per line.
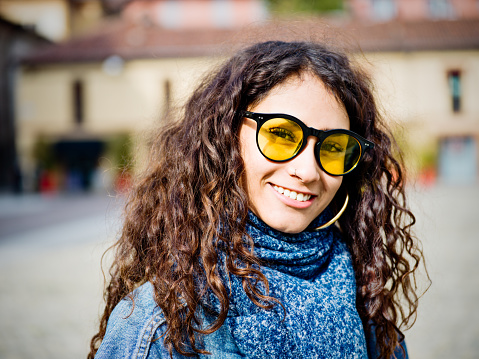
point(302, 197)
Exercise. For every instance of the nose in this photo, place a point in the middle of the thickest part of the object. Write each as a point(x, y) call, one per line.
point(306, 167)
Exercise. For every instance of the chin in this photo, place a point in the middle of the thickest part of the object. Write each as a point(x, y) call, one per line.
point(294, 227)
point(293, 230)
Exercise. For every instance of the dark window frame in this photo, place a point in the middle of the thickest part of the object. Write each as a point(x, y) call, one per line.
point(78, 102)
point(454, 82)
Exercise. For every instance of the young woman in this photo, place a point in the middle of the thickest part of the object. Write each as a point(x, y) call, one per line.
point(271, 221)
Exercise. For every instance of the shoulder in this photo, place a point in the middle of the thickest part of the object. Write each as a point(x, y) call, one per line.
point(135, 323)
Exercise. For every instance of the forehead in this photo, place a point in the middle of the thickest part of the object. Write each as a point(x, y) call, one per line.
point(307, 98)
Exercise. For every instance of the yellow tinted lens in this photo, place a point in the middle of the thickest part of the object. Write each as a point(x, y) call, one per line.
point(280, 139)
point(339, 153)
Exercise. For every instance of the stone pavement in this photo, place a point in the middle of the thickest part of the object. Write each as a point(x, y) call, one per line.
point(51, 283)
point(448, 320)
point(50, 277)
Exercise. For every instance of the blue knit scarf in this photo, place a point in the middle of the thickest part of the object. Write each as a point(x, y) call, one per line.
point(311, 274)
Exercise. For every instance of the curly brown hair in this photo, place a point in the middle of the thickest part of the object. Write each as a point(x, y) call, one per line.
point(193, 188)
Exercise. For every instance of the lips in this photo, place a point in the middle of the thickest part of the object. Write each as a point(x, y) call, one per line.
point(296, 195)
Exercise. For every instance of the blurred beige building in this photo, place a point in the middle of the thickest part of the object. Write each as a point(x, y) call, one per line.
point(413, 10)
point(424, 57)
point(81, 99)
point(77, 98)
point(56, 20)
point(426, 77)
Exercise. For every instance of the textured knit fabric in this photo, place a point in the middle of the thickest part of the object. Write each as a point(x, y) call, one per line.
point(311, 274)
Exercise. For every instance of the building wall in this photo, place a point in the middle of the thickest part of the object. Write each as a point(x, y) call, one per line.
point(130, 101)
point(57, 20)
point(415, 84)
point(190, 14)
point(50, 18)
point(84, 16)
point(414, 90)
point(410, 10)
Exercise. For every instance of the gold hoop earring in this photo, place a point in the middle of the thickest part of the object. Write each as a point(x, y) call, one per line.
point(336, 217)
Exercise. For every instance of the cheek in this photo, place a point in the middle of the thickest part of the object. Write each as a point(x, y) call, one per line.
point(254, 168)
point(248, 154)
point(246, 142)
point(331, 183)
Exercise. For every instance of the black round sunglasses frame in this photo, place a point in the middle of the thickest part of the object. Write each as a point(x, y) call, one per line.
point(261, 118)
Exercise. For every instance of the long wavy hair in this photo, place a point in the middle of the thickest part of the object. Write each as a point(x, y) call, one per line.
point(193, 188)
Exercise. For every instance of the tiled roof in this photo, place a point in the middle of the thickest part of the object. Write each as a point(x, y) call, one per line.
point(149, 41)
point(418, 36)
point(134, 41)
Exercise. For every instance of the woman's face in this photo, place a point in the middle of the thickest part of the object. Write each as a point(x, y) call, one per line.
point(309, 100)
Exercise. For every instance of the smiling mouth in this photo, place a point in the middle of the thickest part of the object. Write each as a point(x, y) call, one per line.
point(298, 196)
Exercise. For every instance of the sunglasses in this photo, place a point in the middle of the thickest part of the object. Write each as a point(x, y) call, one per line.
point(282, 137)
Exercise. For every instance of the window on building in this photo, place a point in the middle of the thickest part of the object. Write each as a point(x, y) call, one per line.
point(440, 9)
point(384, 10)
point(167, 92)
point(223, 13)
point(170, 14)
point(78, 102)
point(458, 160)
point(454, 78)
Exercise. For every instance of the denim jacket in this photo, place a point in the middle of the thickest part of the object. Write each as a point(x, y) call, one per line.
point(136, 332)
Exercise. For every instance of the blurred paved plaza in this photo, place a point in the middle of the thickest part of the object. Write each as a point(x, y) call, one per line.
point(51, 283)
